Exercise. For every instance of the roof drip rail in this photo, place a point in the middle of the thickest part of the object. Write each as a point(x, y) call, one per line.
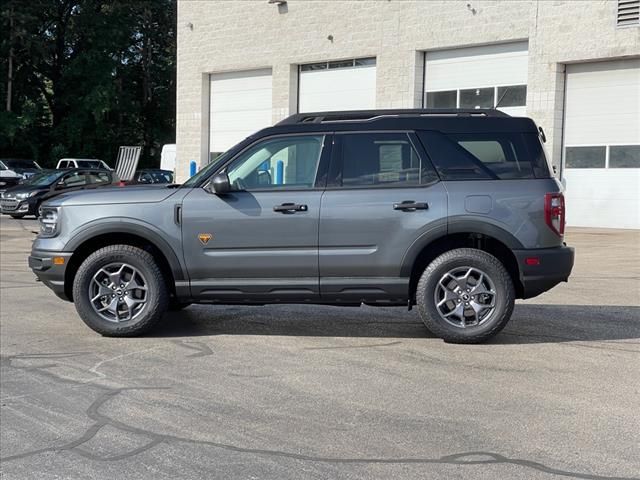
point(372, 115)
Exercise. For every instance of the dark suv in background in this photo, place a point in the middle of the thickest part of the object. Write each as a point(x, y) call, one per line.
point(456, 212)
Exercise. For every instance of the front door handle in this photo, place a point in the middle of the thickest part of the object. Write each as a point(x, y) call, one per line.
point(410, 205)
point(290, 208)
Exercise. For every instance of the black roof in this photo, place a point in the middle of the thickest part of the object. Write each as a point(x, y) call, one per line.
point(445, 120)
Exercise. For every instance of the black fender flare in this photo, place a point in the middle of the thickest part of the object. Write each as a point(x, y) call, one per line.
point(115, 225)
point(453, 226)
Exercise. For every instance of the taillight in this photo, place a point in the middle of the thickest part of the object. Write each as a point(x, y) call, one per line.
point(554, 212)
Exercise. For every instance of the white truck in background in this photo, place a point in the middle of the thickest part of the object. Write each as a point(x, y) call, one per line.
point(168, 157)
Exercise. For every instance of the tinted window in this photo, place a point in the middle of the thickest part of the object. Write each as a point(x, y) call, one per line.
point(98, 177)
point(89, 164)
point(624, 156)
point(44, 179)
point(381, 159)
point(585, 157)
point(75, 179)
point(512, 96)
point(20, 163)
point(278, 163)
point(477, 98)
point(478, 156)
point(442, 99)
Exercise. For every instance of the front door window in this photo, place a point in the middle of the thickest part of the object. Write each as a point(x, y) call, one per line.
point(278, 163)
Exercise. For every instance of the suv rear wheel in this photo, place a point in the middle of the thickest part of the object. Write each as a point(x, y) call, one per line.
point(119, 291)
point(465, 296)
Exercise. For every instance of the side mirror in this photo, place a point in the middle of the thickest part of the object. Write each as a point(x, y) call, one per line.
point(221, 184)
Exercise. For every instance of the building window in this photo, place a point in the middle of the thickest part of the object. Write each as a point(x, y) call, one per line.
point(624, 156)
point(483, 97)
point(512, 96)
point(477, 98)
point(586, 157)
point(353, 62)
point(602, 156)
point(447, 99)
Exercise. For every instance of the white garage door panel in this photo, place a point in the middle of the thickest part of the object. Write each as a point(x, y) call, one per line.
point(337, 89)
point(603, 109)
point(603, 103)
point(606, 198)
point(474, 67)
point(240, 104)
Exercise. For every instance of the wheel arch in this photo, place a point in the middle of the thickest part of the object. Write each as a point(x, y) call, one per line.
point(490, 239)
point(99, 236)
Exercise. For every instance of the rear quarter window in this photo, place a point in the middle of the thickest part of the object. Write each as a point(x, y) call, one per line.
point(486, 156)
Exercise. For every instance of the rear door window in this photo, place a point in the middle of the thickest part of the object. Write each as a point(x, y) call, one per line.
point(98, 178)
point(75, 179)
point(380, 159)
point(485, 156)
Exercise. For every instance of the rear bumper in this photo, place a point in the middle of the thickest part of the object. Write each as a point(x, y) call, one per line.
point(554, 266)
point(41, 263)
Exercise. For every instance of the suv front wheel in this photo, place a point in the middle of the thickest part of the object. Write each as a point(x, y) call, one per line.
point(119, 291)
point(465, 296)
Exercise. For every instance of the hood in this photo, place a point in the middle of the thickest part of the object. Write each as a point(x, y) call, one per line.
point(114, 195)
point(13, 191)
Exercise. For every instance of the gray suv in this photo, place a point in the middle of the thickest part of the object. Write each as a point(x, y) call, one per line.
point(456, 212)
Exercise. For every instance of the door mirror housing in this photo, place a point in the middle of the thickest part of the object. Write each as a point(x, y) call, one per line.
point(221, 184)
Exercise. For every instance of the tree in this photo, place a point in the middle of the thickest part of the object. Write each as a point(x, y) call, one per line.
point(88, 76)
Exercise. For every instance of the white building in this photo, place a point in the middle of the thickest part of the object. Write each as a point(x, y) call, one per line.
point(573, 66)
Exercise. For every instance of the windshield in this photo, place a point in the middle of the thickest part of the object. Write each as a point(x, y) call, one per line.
point(193, 181)
point(89, 163)
point(14, 163)
point(45, 178)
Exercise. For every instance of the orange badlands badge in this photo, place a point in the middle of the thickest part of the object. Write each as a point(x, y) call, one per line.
point(204, 238)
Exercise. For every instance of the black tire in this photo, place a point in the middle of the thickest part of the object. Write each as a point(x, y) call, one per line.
point(17, 216)
point(176, 306)
point(477, 259)
point(157, 292)
point(37, 210)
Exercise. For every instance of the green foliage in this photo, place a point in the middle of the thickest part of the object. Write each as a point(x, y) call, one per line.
point(88, 76)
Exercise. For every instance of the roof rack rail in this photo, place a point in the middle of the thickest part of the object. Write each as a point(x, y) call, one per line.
point(372, 115)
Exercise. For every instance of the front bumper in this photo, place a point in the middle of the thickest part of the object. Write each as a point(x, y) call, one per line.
point(52, 275)
point(546, 268)
point(12, 206)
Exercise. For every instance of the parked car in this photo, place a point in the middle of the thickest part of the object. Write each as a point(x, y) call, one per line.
point(150, 176)
point(27, 197)
point(456, 212)
point(82, 163)
point(22, 168)
point(8, 179)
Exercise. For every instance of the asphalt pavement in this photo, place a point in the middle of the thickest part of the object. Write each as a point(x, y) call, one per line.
point(314, 392)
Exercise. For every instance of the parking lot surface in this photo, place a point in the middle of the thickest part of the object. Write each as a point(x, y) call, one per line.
point(324, 392)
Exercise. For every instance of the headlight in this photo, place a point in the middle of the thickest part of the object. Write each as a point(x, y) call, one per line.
point(50, 221)
point(22, 196)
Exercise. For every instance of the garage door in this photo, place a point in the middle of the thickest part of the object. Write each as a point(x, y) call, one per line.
point(240, 104)
point(602, 144)
point(488, 76)
point(338, 85)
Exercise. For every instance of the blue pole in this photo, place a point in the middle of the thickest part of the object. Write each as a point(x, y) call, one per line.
point(279, 172)
point(193, 168)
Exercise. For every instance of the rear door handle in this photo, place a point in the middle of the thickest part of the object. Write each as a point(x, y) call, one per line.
point(410, 205)
point(290, 208)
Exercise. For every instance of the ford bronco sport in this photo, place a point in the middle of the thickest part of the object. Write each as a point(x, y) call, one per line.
point(456, 212)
